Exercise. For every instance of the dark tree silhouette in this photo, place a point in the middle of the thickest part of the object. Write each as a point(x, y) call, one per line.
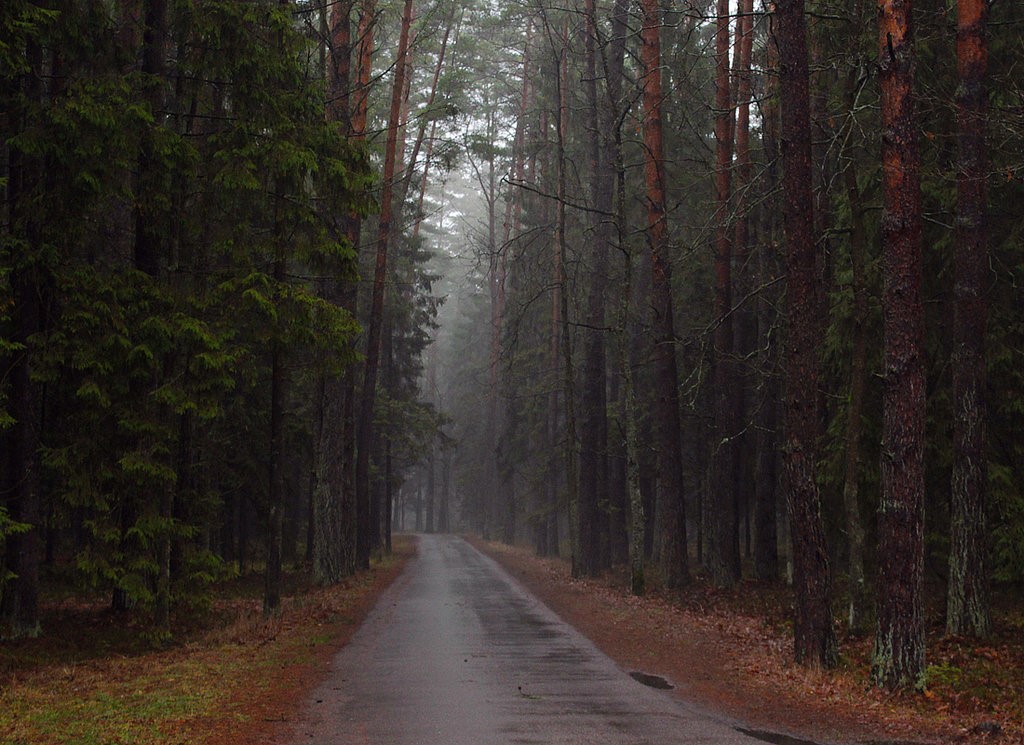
point(899, 642)
point(814, 636)
point(967, 608)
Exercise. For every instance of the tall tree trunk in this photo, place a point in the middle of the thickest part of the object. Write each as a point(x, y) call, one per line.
point(967, 608)
point(593, 472)
point(568, 377)
point(614, 68)
point(814, 636)
point(333, 513)
point(744, 320)
point(364, 436)
point(548, 531)
point(433, 397)
point(421, 133)
point(766, 553)
point(666, 423)
point(722, 546)
point(356, 494)
point(385, 439)
point(624, 464)
point(859, 606)
point(499, 505)
point(278, 393)
point(899, 643)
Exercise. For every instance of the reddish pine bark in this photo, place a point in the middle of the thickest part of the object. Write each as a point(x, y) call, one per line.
point(333, 523)
point(899, 642)
point(364, 63)
point(359, 103)
point(364, 433)
point(422, 132)
point(814, 637)
point(668, 437)
point(967, 609)
point(339, 66)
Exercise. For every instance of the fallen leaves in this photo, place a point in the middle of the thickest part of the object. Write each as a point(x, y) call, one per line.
point(212, 688)
point(732, 650)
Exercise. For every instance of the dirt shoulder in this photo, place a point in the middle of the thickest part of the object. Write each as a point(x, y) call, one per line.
point(317, 626)
point(738, 664)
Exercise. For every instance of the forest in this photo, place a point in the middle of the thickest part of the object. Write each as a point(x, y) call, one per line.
point(698, 291)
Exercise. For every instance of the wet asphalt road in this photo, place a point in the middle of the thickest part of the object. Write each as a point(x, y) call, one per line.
point(457, 653)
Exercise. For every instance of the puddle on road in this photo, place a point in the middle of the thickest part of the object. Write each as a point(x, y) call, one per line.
point(652, 681)
point(774, 737)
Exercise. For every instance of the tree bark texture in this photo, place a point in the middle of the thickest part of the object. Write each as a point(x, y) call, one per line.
point(967, 608)
point(359, 102)
point(333, 508)
point(421, 133)
point(365, 433)
point(339, 65)
point(744, 317)
point(549, 508)
point(899, 643)
point(766, 552)
point(637, 523)
point(668, 435)
point(814, 636)
point(501, 507)
point(570, 448)
point(859, 607)
point(623, 482)
point(721, 549)
point(593, 472)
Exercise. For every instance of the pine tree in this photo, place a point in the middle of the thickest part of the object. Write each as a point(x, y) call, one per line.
point(814, 635)
point(899, 642)
point(967, 606)
point(667, 429)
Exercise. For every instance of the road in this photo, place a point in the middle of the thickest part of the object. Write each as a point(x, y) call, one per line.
point(458, 653)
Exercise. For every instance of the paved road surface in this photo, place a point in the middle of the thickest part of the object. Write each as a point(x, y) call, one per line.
point(457, 653)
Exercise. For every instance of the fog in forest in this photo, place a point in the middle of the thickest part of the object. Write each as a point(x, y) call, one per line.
point(677, 291)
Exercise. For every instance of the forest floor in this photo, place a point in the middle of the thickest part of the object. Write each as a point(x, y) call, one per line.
point(228, 677)
point(731, 651)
